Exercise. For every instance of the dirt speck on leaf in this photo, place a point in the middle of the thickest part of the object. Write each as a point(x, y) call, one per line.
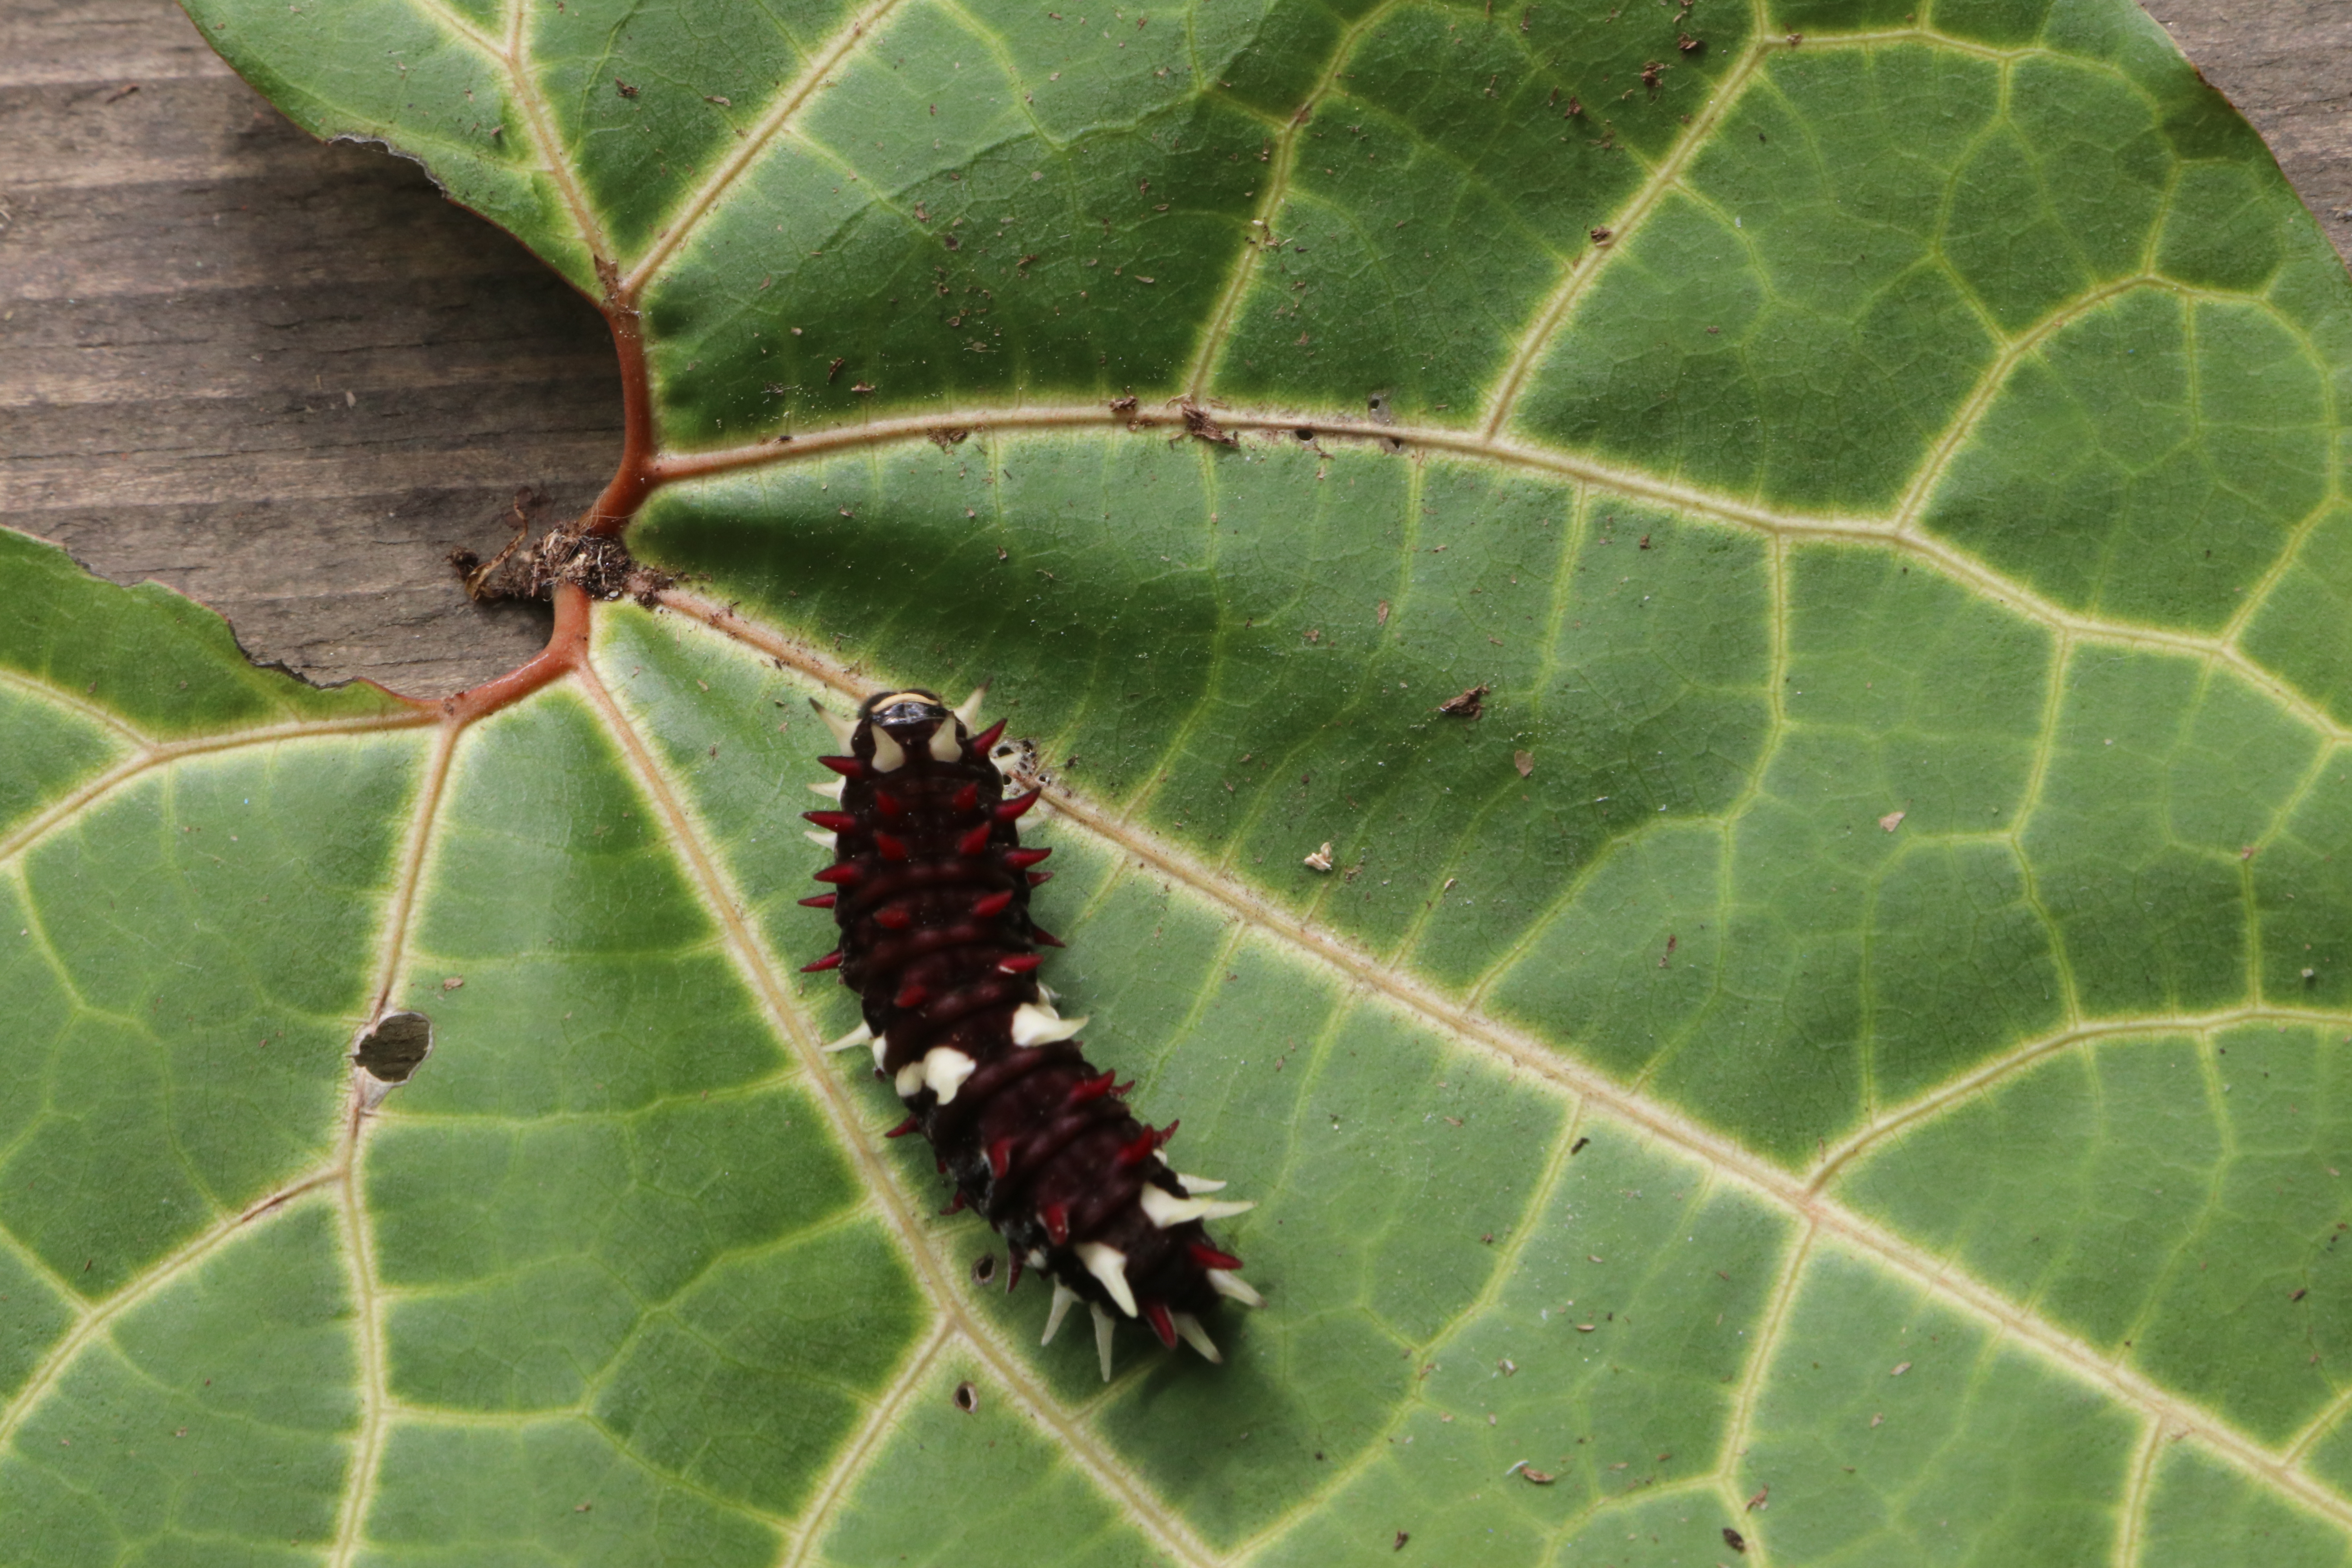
point(1470, 704)
point(1202, 426)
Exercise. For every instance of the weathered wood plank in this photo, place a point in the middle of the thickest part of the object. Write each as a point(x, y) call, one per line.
point(286, 378)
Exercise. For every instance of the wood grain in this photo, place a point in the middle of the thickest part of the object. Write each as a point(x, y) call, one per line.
point(287, 378)
point(283, 376)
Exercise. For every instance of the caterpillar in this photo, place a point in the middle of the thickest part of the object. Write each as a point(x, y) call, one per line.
point(930, 887)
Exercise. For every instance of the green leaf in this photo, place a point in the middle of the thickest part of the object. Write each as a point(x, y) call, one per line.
point(1847, 1051)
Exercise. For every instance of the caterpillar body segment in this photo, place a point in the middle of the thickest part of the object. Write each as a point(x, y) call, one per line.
point(930, 890)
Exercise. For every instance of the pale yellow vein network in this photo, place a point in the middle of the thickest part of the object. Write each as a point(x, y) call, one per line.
point(1801, 1195)
point(339, 1176)
point(856, 1133)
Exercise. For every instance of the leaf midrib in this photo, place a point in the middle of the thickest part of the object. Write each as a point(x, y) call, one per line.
point(1886, 530)
point(853, 1134)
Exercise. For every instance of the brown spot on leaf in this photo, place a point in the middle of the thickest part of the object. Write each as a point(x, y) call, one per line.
point(392, 1049)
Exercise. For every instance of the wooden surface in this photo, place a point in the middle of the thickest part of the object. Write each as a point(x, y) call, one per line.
point(287, 378)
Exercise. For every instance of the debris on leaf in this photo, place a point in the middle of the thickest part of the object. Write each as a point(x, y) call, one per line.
point(1321, 859)
point(1200, 427)
point(1734, 1540)
point(1891, 820)
point(1525, 762)
point(597, 564)
point(1470, 704)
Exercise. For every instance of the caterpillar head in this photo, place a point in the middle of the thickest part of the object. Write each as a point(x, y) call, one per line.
point(914, 721)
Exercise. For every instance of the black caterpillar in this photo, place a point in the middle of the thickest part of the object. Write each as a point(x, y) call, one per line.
point(931, 893)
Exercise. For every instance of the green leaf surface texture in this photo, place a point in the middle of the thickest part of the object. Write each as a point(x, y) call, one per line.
point(1843, 1061)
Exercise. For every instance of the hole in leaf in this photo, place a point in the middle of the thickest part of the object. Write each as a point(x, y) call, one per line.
point(967, 1398)
point(984, 1268)
point(391, 1050)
